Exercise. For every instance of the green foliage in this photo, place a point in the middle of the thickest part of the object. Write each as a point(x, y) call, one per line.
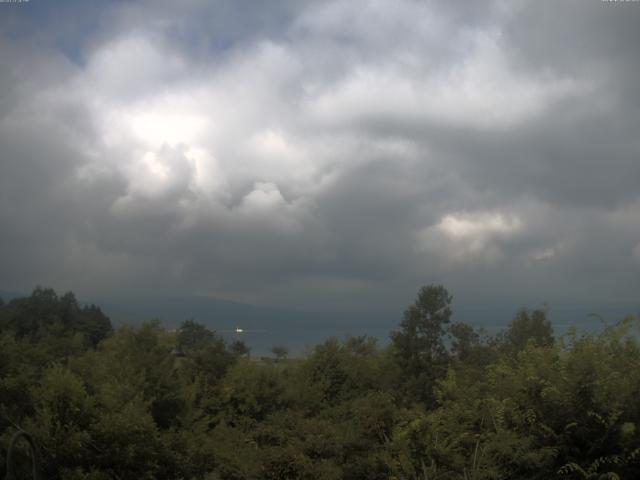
point(239, 348)
point(419, 345)
point(44, 313)
point(280, 352)
point(121, 404)
point(194, 336)
point(529, 327)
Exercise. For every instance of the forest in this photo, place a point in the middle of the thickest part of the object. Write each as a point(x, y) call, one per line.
point(442, 400)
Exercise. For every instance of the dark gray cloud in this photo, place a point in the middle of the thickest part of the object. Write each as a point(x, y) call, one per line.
point(322, 153)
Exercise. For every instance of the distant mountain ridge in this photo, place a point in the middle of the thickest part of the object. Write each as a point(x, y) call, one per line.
point(225, 314)
point(8, 295)
point(265, 327)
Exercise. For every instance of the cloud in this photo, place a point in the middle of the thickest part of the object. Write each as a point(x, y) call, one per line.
point(286, 153)
point(475, 226)
point(467, 237)
point(544, 254)
point(479, 90)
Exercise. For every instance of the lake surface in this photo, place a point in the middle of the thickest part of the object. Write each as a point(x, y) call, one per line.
point(266, 327)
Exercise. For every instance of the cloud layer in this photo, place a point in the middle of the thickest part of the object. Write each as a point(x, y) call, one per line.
point(319, 154)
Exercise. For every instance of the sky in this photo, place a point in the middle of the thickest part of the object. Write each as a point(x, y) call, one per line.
point(322, 154)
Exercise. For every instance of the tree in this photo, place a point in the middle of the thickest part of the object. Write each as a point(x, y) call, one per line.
point(280, 352)
point(464, 339)
point(45, 314)
point(527, 327)
point(419, 345)
point(239, 348)
point(195, 336)
point(93, 324)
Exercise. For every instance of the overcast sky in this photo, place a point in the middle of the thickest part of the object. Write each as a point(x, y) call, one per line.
point(315, 154)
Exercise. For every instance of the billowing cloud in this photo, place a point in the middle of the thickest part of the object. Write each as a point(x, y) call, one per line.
point(315, 153)
point(467, 237)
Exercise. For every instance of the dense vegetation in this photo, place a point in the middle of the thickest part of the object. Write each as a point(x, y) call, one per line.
point(442, 401)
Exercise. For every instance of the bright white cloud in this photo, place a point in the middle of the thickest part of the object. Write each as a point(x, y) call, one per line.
point(479, 90)
point(171, 128)
point(264, 113)
point(463, 237)
point(263, 198)
point(132, 66)
point(480, 225)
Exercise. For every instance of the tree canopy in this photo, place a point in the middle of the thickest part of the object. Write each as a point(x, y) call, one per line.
point(442, 400)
